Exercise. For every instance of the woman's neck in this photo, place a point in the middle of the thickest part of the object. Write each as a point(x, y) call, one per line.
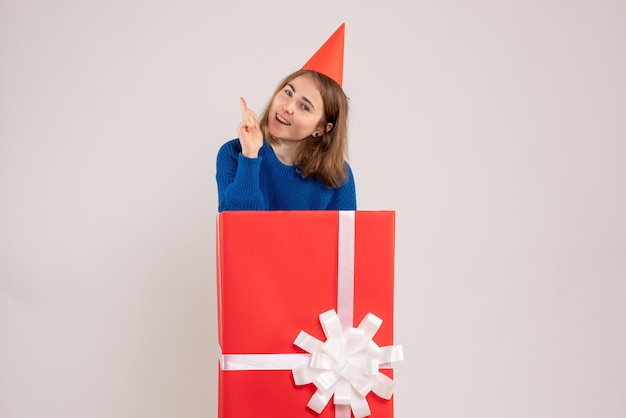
point(286, 151)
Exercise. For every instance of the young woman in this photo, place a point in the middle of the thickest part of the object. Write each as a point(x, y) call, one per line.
point(294, 159)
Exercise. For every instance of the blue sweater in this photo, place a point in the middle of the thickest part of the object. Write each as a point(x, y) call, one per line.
point(265, 183)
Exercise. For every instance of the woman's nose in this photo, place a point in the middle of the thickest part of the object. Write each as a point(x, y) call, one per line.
point(288, 107)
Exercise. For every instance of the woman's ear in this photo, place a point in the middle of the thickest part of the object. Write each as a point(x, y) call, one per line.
point(329, 127)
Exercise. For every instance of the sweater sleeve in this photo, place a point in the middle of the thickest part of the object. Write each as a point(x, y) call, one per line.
point(238, 180)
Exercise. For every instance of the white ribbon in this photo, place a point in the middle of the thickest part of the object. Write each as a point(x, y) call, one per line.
point(345, 269)
point(344, 367)
point(262, 361)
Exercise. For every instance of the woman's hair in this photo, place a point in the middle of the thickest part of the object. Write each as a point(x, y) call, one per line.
point(322, 157)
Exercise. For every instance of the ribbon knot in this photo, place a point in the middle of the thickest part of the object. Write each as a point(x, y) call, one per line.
point(346, 366)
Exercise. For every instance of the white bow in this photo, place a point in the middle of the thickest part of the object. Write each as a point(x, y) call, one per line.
point(346, 365)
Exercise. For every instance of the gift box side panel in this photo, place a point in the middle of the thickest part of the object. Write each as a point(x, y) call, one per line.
point(374, 270)
point(265, 394)
point(273, 394)
point(278, 273)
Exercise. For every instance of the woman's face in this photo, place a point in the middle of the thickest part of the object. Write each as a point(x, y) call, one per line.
point(296, 110)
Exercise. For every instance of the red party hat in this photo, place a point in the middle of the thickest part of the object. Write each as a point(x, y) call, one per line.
point(328, 60)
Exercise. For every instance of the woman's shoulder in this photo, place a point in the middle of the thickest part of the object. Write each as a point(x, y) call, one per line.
point(228, 155)
point(347, 180)
point(349, 174)
point(231, 147)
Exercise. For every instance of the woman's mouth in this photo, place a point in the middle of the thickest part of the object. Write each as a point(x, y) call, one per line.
point(282, 120)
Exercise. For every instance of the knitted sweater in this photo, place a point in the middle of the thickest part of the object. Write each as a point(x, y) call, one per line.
point(265, 183)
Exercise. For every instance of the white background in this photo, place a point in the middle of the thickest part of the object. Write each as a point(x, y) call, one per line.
point(495, 129)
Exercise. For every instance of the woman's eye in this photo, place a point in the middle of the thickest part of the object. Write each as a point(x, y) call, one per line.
point(288, 92)
point(305, 107)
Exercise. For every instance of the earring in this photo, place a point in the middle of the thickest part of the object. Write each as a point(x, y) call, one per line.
point(316, 135)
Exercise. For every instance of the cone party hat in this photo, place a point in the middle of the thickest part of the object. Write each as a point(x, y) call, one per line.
point(328, 60)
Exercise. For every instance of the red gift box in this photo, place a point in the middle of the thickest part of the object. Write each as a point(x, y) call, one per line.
point(277, 271)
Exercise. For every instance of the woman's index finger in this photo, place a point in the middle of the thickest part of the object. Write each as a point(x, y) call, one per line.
point(244, 106)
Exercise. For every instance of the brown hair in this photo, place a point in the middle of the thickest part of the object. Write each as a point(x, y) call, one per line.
point(322, 157)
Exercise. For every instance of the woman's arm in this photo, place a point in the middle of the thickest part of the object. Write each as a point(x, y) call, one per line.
point(237, 177)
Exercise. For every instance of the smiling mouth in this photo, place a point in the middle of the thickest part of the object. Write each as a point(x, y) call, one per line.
point(282, 120)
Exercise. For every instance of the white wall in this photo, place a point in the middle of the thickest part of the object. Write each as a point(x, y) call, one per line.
point(497, 130)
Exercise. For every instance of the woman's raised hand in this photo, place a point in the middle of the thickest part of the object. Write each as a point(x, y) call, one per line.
point(250, 135)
